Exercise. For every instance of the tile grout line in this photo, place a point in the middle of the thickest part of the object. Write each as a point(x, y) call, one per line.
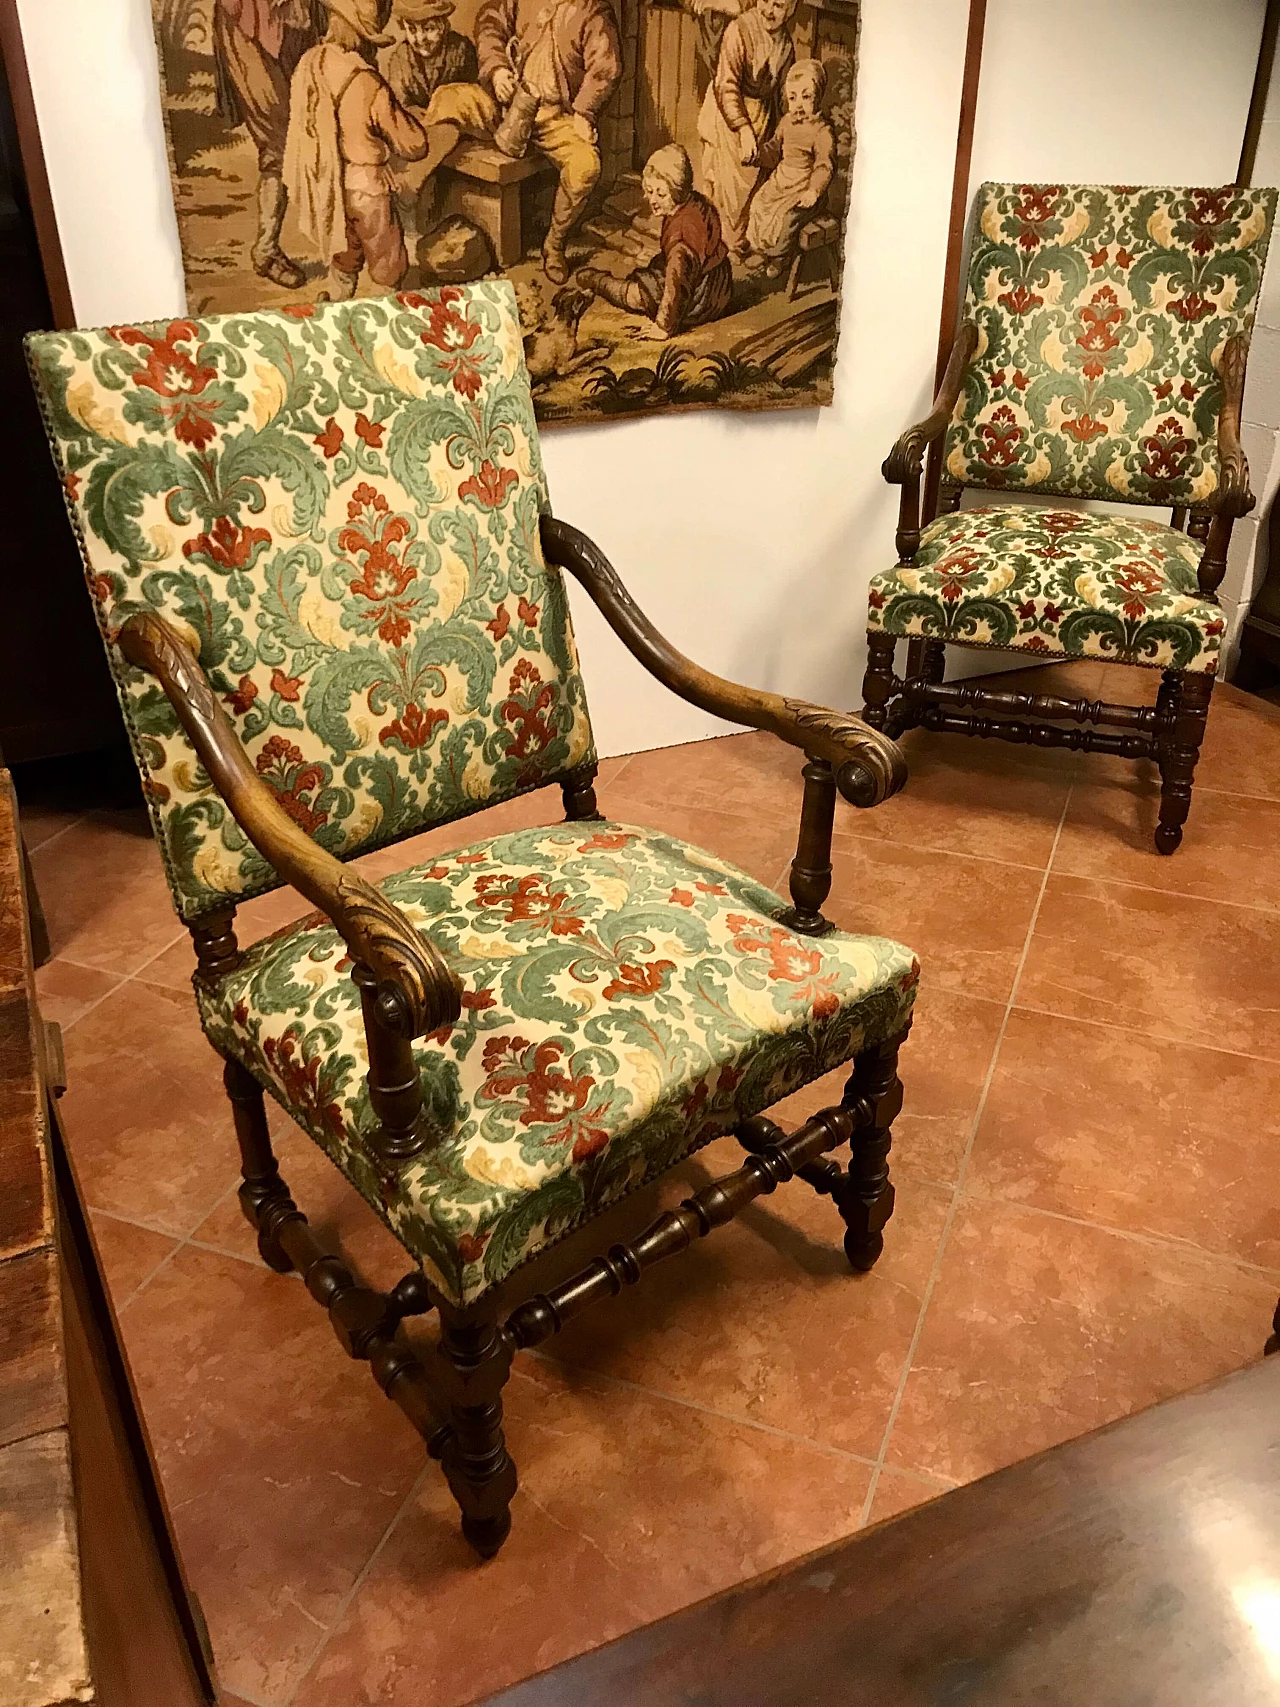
point(954, 1206)
point(1154, 1036)
point(50, 840)
point(358, 1583)
point(133, 977)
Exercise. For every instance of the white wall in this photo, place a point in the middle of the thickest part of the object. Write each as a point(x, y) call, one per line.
point(749, 539)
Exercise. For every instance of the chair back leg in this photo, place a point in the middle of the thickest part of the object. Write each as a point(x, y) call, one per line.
point(1178, 749)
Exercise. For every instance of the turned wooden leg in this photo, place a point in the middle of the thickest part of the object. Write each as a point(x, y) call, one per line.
point(579, 794)
point(1178, 754)
point(866, 1202)
point(878, 683)
point(264, 1197)
point(474, 1359)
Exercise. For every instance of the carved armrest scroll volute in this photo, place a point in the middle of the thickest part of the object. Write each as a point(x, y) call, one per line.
point(905, 462)
point(416, 992)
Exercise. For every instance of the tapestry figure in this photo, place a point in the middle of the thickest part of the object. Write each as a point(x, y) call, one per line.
point(800, 158)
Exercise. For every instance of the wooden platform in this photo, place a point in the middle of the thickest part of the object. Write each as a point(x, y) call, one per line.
point(1136, 1567)
point(487, 187)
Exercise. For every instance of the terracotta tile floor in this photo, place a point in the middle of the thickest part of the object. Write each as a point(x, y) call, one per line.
point(1087, 1222)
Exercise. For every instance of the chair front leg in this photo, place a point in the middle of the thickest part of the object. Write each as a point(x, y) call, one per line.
point(474, 1359)
point(879, 682)
point(1177, 755)
point(264, 1197)
point(866, 1202)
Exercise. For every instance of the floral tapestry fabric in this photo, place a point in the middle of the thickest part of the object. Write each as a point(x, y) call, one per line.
point(626, 998)
point(1102, 313)
point(1057, 583)
point(337, 505)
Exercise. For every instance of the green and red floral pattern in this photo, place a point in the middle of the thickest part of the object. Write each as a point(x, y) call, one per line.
point(338, 507)
point(626, 999)
point(1102, 313)
point(1058, 583)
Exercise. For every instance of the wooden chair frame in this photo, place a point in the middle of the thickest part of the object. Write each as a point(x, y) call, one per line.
point(454, 1398)
point(1169, 732)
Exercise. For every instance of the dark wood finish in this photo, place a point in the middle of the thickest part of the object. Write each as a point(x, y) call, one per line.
point(1258, 97)
point(1131, 1568)
point(868, 768)
point(953, 266)
point(1170, 732)
point(1273, 1344)
point(93, 1606)
point(40, 197)
point(810, 879)
point(579, 794)
point(407, 990)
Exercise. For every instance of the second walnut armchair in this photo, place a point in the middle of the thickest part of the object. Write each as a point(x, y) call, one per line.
point(1101, 355)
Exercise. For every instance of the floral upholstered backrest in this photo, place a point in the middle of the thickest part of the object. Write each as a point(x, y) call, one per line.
point(1102, 313)
point(338, 507)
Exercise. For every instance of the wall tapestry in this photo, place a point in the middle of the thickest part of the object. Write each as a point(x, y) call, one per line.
point(665, 181)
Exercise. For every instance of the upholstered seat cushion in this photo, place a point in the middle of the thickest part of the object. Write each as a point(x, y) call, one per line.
point(627, 998)
point(1058, 583)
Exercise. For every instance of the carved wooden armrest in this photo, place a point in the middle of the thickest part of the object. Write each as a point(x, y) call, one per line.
point(1234, 497)
point(905, 462)
point(415, 991)
point(869, 766)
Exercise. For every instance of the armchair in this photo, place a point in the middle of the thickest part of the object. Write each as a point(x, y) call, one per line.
point(1101, 355)
point(325, 569)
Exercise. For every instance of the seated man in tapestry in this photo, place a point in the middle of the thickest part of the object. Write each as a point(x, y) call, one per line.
point(433, 72)
point(552, 64)
point(689, 281)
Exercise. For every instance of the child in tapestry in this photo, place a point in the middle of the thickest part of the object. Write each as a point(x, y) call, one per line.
point(689, 281)
point(802, 153)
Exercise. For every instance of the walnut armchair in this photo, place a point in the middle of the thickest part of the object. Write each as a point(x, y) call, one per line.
point(328, 579)
point(1101, 355)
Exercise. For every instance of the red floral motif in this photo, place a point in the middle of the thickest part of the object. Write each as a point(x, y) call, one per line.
point(471, 1245)
point(385, 576)
point(288, 687)
point(527, 613)
point(300, 310)
point(500, 624)
point(1164, 388)
point(876, 599)
point(414, 727)
point(1019, 300)
point(330, 440)
point(530, 698)
point(997, 379)
point(1141, 584)
point(790, 962)
point(1034, 210)
point(552, 1093)
point(371, 434)
point(606, 841)
point(178, 380)
point(241, 698)
point(1001, 436)
point(72, 485)
point(1188, 391)
point(1098, 258)
point(1167, 452)
point(1058, 525)
point(711, 888)
point(1099, 319)
point(1053, 614)
point(528, 901)
point(227, 546)
point(646, 979)
point(1124, 260)
point(1020, 380)
point(1191, 307)
point(490, 486)
point(1083, 428)
point(291, 780)
point(453, 335)
point(954, 570)
point(680, 898)
point(303, 1079)
point(1210, 209)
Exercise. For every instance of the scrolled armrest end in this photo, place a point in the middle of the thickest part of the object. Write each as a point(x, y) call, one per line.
point(869, 766)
